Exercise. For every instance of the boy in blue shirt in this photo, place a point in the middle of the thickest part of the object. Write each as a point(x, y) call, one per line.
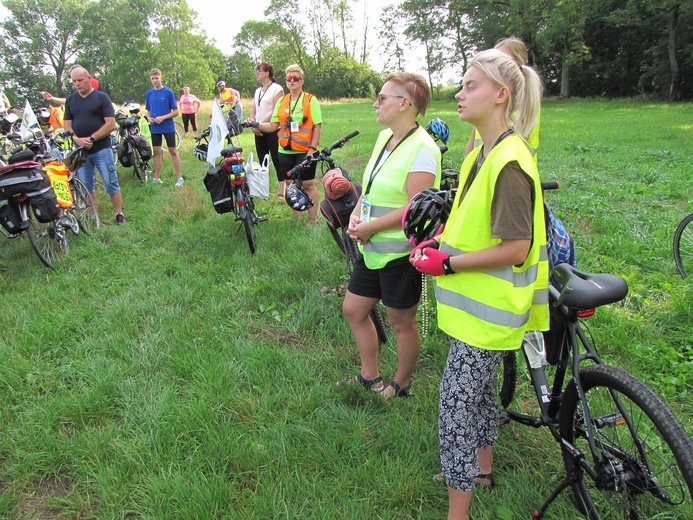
point(162, 107)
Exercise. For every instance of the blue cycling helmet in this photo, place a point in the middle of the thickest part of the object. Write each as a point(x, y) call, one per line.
point(438, 130)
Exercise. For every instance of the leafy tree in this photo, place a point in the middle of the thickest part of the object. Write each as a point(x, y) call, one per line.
point(422, 19)
point(38, 44)
point(392, 38)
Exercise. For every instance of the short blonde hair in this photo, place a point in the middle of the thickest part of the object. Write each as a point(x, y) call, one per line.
point(416, 87)
point(295, 68)
point(155, 71)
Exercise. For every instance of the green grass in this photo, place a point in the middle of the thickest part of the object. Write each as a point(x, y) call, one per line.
point(161, 371)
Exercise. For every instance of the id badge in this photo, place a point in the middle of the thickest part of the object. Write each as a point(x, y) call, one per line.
point(294, 126)
point(365, 210)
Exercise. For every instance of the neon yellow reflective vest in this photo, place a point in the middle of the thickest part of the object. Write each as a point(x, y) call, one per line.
point(388, 193)
point(532, 142)
point(491, 309)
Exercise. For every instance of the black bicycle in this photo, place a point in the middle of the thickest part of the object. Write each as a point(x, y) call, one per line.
point(336, 213)
point(133, 149)
point(683, 245)
point(625, 453)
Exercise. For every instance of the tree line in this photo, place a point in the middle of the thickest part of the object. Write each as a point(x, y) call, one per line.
point(608, 48)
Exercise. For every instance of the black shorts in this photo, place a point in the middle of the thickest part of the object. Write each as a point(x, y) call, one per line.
point(289, 160)
point(397, 284)
point(170, 139)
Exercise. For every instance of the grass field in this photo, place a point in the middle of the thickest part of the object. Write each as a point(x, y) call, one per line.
point(162, 372)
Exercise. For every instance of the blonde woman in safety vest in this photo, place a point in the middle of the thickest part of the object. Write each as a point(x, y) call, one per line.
point(404, 162)
point(298, 118)
point(490, 265)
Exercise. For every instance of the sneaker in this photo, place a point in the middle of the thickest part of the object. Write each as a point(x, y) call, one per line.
point(180, 182)
point(120, 219)
point(157, 181)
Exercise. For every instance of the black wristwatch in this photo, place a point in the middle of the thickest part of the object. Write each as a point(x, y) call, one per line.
point(91, 138)
point(447, 268)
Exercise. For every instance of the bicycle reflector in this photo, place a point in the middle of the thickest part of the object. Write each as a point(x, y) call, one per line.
point(585, 313)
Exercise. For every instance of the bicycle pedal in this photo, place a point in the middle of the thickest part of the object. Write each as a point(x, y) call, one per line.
point(503, 418)
point(262, 217)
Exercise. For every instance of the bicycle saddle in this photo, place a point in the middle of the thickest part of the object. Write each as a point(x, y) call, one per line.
point(231, 150)
point(583, 290)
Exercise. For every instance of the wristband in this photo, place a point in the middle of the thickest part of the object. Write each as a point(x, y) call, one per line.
point(447, 268)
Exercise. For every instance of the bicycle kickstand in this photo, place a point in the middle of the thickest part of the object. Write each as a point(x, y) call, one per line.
point(539, 513)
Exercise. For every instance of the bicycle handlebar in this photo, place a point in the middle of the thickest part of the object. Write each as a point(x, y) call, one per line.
point(550, 185)
point(322, 156)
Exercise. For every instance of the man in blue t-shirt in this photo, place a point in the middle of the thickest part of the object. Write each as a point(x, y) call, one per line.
point(89, 115)
point(162, 107)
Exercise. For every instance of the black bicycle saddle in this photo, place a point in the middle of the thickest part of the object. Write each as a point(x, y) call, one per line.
point(583, 290)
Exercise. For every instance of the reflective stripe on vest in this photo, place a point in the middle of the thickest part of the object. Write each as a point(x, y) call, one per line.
point(298, 141)
point(492, 309)
point(388, 193)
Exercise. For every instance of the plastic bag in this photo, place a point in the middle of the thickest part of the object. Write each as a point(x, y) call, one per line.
point(257, 177)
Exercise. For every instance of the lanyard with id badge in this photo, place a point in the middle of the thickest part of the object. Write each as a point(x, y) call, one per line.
point(365, 203)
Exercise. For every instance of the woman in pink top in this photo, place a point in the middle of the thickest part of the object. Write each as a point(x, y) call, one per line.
point(189, 105)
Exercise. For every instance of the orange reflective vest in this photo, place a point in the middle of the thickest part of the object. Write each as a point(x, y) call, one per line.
point(56, 118)
point(299, 140)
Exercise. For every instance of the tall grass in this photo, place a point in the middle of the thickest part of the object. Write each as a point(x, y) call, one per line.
point(161, 371)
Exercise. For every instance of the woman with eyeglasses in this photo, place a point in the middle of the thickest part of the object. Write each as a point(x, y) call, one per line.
point(298, 119)
point(266, 98)
point(405, 161)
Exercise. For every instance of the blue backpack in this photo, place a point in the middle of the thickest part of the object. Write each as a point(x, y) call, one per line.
point(559, 243)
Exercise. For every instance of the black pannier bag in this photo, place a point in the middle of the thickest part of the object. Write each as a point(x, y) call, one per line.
point(28, 178)
point(145, 150)
point(122, 152)
point(338, 211)
point(10, 218)
point(218, 185)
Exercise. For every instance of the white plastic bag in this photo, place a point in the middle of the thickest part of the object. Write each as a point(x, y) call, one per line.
point(257, 176)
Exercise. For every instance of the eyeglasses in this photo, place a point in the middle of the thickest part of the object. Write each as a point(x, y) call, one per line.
point(383, 97)
point(294, 78)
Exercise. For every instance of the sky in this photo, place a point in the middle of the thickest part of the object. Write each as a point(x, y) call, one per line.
point(223, 26)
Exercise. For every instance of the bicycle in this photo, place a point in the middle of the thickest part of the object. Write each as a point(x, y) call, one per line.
point(132, 148)
point(229, 189)
point(683, 245)
point(338, 224)
point(625, 453)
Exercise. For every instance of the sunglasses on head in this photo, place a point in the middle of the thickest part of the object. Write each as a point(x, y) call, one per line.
point(294, 78)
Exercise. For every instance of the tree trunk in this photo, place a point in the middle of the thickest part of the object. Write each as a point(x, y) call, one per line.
point(675, 87)
point(565, 77)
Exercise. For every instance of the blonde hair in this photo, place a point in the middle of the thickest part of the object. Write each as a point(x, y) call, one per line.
point(416, 88)
point(514, 47)
point(523, 84)
point(155, 71)
point(295, 68)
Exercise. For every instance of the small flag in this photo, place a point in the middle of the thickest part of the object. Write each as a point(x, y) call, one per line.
point(217, 133)
point(28, 119)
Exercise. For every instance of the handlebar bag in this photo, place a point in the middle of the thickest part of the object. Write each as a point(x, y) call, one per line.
point(218, 185)
point(337, 211)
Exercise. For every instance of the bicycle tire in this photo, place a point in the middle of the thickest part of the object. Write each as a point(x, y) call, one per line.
point(683, 246)
point(506, 379)
point(84, 208)
point(631, 465)
point(352, 254)
point(48, 240)
point(178, 131)
point(136, 161)
point(249, 222)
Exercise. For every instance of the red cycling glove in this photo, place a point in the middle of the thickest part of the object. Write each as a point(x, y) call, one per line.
point(433, 263)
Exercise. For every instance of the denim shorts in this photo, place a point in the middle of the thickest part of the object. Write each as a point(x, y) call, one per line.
point(103, 160)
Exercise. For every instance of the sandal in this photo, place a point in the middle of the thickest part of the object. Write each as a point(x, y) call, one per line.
point(368, 384)
point(399, 391)
point(280, 196)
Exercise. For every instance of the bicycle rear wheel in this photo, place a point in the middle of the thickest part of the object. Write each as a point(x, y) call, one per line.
point(352, 254)
point(136, 161)
point(84, 207)
point(49, 240)
point(683, 246)
point(643, 465)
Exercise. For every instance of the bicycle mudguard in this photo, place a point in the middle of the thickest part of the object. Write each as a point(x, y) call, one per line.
point(583, 290)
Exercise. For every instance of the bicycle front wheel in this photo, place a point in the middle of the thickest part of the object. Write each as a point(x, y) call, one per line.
point(506, 379)
point(49, 240)
point(642, 466)
point(683, 246)
point(136, 161)
point(84, 207)
point(250, 222)
point(352, 255)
